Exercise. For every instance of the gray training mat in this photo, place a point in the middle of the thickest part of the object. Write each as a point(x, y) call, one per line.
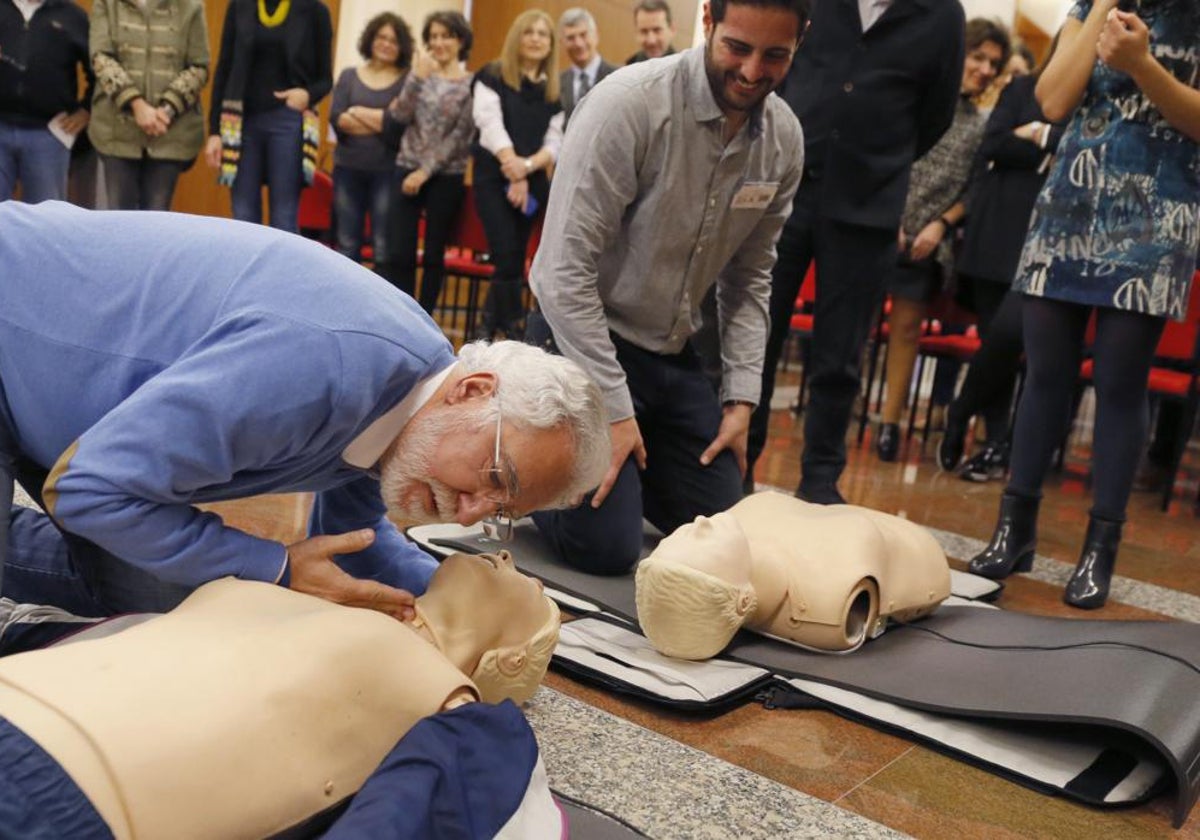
point(1124, 690)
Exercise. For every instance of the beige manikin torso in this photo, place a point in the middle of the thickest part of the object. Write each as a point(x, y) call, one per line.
point(240, 713)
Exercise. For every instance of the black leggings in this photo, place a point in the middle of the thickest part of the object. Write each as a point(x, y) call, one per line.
point(1123, 352)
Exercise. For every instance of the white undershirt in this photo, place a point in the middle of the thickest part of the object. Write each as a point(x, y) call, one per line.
point(871, 10)
point(365, 450)
point(28, 7)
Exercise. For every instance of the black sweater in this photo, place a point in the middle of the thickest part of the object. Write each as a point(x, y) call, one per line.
point(39, 62)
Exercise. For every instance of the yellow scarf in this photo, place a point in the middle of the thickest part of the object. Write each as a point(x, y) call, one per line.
point(273, 20)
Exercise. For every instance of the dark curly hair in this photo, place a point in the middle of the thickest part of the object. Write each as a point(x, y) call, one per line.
point(403, 35)
point(456, 25)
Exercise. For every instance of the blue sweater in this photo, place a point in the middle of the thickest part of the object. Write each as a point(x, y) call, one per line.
point(155, 360)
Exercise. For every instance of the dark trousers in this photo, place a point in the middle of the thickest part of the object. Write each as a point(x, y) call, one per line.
point(358, 193)
point(440, 199)
point(139, 184)
point(43, 564)
point(992, 374)
point(852, 268)
point(678, 414)
point(508, 231)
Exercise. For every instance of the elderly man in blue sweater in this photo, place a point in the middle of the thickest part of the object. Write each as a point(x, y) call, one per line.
point(150, 361)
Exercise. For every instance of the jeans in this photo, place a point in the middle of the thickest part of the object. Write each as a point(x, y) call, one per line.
point(678, 414)
point(271, 154)
point(45, 565)
point(139, 184)
point(440, 198)
point(357, 192)
point(32, 157)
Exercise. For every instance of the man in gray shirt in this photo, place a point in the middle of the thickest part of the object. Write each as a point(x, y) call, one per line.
point(677, 174)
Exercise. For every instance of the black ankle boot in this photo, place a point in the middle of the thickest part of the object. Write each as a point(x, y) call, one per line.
point(1088, 587)
point(887, 446)
point(1013, 543)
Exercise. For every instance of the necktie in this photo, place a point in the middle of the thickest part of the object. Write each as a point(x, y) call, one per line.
point(585, 84)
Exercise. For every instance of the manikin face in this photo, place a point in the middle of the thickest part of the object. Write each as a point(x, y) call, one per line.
point(654, 32)
point(443, 45)
point(505, 607)
point(981, 66)
point(748, 54)
point(715, 545)
point(536, 41)
point(385, 47)
point(580, 43)
point(439, 468)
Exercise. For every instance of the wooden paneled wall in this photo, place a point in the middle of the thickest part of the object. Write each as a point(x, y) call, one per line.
point(490, 20)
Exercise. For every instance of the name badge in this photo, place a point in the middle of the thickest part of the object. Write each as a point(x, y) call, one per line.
point(755, 195)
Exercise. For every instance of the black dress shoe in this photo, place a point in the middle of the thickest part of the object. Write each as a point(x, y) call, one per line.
point(950, 448)
point(820, 494)
point(1088, 587)
point(887, 445)
point(1013, 543)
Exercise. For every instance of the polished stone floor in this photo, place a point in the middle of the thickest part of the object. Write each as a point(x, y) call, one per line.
point(758, 773)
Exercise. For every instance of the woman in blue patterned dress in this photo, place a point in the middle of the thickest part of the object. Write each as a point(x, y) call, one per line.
point(1115, 229)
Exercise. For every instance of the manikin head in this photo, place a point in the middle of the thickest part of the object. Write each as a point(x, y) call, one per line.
point(547, 416)
point(494, 623)
point(694, 591)
point(652, 20)
point(579, 36)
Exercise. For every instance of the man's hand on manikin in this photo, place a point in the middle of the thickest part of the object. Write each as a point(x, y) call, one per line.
point(733, 435)
point(626, 441)
point(315, 573)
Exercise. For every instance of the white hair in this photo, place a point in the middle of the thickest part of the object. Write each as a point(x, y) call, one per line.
point(539, 390)
point(574, 17)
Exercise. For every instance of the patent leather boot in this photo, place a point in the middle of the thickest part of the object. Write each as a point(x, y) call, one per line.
point(1013, 543)
point(1088, 587)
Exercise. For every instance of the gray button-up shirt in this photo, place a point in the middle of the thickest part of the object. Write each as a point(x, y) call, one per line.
point(649, 208)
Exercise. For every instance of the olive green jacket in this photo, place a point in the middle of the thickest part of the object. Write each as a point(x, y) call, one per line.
point(159, 53)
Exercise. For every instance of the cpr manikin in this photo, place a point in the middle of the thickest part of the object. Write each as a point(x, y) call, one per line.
point(825, 576)
point(251, 707)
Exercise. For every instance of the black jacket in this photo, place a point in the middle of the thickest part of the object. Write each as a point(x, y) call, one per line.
point(870, 104)
point(39, 64)
point(309, 34)
point(1009, 173)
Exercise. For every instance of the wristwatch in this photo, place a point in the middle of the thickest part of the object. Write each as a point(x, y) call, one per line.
point(528, 165)
point(170, 109)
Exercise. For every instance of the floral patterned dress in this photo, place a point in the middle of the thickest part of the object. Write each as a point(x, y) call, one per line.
point(1117, 223)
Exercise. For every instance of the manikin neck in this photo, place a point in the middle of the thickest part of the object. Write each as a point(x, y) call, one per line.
point(461, 648)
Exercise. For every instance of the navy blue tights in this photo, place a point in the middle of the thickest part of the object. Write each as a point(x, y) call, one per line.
point(1123, 351)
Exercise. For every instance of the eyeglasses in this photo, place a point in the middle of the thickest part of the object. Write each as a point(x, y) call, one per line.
point(503, 481)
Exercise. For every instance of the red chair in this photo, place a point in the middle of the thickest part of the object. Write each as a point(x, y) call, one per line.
point(316, 208)
point(465, 247)
point(1174, 376)
point(800, 328)
point(940, 345)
